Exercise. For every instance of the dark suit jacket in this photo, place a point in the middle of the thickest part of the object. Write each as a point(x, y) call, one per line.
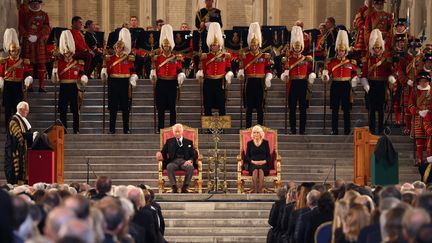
point(302, 223)
point(170, 147)
point(316, 219)
point(370, 234)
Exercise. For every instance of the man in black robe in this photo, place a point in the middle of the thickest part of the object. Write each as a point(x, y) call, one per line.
point(18, 139)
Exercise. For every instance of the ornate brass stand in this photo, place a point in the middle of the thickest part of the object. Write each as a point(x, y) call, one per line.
point(216, 161)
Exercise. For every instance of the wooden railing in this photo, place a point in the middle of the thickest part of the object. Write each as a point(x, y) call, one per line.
point(364, 146)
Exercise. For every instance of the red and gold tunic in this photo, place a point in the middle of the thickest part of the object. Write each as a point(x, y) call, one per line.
point(359, 25)
point(379, 20)
point(299, 66)
point(407, 70)
point(419, 100)
point(256, 65)
point(427, 126)
point(80, 44)
point(167, 67)
point(69, 72)
point(215, 65)
point(34, 23)
point(14, 70)
point(120, 66)
point(342, 70)
point(377, 68)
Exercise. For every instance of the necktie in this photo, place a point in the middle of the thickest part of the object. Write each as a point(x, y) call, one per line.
point(179, 142)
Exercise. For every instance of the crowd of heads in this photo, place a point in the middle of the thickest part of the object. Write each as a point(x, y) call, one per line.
point(79, 213)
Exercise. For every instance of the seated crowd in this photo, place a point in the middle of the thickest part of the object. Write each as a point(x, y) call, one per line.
point(347, 212)
point(78, 213)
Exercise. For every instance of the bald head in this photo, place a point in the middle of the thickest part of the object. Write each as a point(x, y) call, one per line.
point(56, 218)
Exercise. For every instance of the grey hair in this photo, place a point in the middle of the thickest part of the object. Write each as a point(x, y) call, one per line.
point(22, 105)
point(179, 125)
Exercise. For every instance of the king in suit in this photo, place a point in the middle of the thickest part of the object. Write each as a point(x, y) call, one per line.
point(178, 153)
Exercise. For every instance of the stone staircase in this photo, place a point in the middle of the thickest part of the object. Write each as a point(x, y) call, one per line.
point(216, 218)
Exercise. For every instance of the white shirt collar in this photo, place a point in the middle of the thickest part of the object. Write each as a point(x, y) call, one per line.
point(426, 88)
point(27, 123)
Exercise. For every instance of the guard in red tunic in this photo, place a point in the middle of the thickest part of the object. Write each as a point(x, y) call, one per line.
point(121, 79)
point(377, 18)
point(298, 71)
point(343, 73)
point(409, 68)
point(216, 69)
point(399, 62)
point(34, 30)
point(70, 74)
point(255, 69)
point(14, 75)
point(376, 72)
point(168, 74)
point(360, 45)
point(419, 104)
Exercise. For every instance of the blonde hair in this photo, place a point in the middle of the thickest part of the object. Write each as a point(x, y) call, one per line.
point(357, 218)
point(339, 216)
point(258, 128)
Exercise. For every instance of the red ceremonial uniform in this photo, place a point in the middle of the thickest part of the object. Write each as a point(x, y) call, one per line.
point(12, 72)
point(215, 65)
point(382, 21)
point(359, 25)
point(256, 66)
point(120, 66)
point(377, 68)
point(80, 44)
point(34, 23)
point(342, 70)
point(427, 126)
point(72, 74)
point(167, 67)
point(299, 67)
point(419, 100)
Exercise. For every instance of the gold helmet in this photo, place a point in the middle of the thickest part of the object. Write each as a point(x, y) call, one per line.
point(10, 40)
point(66, 43)
point(297, 40)
point(214, 35)
point(376, 40)
point(342, 41)
point(124, 41)
point(254, 34)
point(166, 36)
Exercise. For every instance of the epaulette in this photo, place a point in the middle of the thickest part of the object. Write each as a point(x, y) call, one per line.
point(26, 61)
point(227, 55)
point(131, 58)
point(179, 57)
point(284, 60)
point(81, 62)
point(309, 58)
point(354, 62)
point(203, 56)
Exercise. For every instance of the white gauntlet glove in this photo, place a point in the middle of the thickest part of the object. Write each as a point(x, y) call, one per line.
point(354, 81)
point(228, 77)
point(199, 74)
point(268, 79)
point(153, 75)
point(365, 84)
point(410, 83)
point(391, 79)
point(28, 81)
point(181, 78)
point(240, 73)
point(84, 80)
point(54, 76)
point(285, 76)
point(423, 113)
point(104, 74)
point(32, 38)
point(325, 76)
point(133, 79)
point(1, 82)
point(311, 78)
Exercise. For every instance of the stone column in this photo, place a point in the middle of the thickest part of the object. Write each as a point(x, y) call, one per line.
point(161, 11)
point(223, 6)
point(67, 12)
point(273, 12)
point(257, 11)
point(145, 7)
point(106, 9)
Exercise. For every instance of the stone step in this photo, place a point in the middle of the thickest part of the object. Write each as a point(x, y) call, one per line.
point(219, 239)
point(186, 207)
point(218, 214)
point(228, 222)
point(218, 231)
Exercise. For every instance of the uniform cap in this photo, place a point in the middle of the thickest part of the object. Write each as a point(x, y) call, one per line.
point(254, 34)
point(66, 43)
point(214, 35)
point(10, 40)
point(167, 36)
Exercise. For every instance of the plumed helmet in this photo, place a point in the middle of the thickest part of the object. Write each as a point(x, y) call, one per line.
point(166, 36)
point(124, 40)
point(342, 41)
point(10, 40)
point(66, 43)
point(214, 35)
point(297, 38)
point(376, 40)
point(254, 34)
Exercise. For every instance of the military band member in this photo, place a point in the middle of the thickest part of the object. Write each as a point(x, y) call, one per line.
point(343, 72)
point(207, 15)
point(14, 74)
point(408, 72)
point(419, 104)
point(298, 71)
point(167, 70)
point(70, 74)
point(34, 29)
point(377, 18)
point(121, 79)
point(255, 69)
point(376, 72)
point(216, 69)
point(399, 62)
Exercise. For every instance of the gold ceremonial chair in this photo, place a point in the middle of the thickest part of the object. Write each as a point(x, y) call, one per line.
point(191, 134)
point(275, 167)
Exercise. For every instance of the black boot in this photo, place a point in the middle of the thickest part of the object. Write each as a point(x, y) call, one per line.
point(174, 189)
point(184, 189)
